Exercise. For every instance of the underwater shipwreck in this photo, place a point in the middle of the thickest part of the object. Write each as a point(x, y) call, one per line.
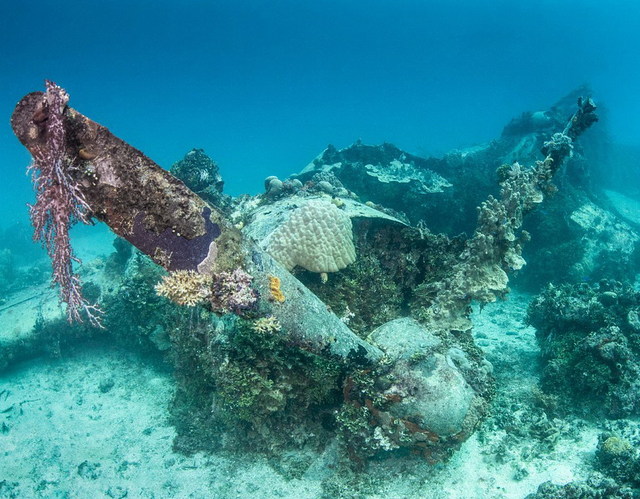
point(334, 309)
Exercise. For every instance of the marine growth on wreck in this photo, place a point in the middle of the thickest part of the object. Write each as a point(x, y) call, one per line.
point(330, 318)
point(316, 310)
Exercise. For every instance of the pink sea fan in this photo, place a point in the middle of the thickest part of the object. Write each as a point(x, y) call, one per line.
point(59, 204)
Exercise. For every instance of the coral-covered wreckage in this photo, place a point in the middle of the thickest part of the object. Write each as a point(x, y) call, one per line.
point(325, 307)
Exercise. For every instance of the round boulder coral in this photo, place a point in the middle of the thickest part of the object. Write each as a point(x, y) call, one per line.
point(317, 236)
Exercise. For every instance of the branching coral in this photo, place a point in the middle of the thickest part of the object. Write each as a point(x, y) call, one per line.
point(185, 287)
point(266, 325)
point(495, 248)
point(59, 202)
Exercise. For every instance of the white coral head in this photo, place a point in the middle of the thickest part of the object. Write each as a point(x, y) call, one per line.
point(317, 236)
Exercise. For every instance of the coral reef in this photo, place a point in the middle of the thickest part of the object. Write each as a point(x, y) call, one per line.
point(618, 452)
point(589, 336)
point(395, 263)
point(556, 250)
point(264, 393)
point(134, 312)
point(496, 245)
point(273, 373)
point(364, 294)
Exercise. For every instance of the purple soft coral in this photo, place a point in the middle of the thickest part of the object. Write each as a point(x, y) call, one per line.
point(59, 204)
point(232, 292)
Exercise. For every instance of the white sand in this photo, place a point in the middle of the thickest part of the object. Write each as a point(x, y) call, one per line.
point(627, 207)
point(54, 417)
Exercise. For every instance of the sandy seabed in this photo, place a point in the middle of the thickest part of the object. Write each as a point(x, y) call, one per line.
point(95, 424)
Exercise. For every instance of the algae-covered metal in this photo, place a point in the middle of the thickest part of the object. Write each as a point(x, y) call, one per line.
point(163, 218)
point(139, 200)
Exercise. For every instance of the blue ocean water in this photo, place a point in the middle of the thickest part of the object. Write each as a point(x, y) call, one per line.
point(264, 86)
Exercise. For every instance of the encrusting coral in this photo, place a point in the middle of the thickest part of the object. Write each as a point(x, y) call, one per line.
point(274, 288)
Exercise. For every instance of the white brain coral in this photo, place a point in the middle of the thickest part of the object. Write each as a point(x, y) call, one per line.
point(317, 236)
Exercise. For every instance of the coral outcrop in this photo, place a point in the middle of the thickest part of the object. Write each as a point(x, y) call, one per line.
point(597, 487)
point(589, 336)
point(202, 175)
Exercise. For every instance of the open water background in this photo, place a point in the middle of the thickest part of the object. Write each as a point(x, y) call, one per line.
point(263, 86)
